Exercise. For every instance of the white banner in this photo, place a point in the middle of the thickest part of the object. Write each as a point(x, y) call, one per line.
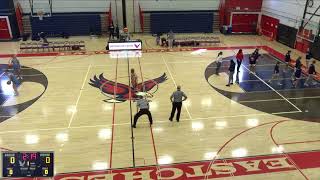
point(125, 54)
point(125, 46)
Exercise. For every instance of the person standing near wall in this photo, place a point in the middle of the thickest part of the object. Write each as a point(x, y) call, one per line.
point(117, 32)
point(170, 38)
point(177, 98)
point(111, 31)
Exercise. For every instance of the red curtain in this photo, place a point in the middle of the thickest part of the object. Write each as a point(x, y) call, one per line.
point(141, 18)
point(110, 16)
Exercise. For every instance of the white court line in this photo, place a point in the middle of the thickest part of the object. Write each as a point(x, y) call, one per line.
point(157, 122)
point(77, 102)
point(273, 89)
point(174, 83)
point(265, 100)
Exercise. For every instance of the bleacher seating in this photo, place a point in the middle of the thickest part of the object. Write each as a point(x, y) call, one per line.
point(181, 22)
point(197, 41)
point(52, 46)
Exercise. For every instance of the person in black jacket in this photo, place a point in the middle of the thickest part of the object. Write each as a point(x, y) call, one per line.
point(311, 73)
point(276, 74)
point(232, 67)
point(253, 60)
point(297, 76)
point(308, 57)
point(111, 31)
point(117, 32)
point(287, 59)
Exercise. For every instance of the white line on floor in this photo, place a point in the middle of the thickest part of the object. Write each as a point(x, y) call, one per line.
point(80, 93)
point(174, 83)
point(157, 122)
point(266, 100)
point(272, 89)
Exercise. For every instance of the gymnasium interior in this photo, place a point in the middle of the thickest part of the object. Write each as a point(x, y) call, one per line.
point(79, 77)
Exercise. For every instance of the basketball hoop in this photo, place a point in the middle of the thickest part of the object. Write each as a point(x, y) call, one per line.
point(40, 14)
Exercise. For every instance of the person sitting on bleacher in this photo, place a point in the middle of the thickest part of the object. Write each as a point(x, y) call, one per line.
point(164, 42)
point(43, 37)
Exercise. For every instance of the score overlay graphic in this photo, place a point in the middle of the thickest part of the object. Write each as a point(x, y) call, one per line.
point(27, 164)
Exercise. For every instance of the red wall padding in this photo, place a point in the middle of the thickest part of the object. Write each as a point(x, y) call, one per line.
point(244, 23)
point(269, 26)
point(19, 15)
point(250, 4)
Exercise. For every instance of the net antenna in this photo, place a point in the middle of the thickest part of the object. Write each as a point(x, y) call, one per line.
point(40, 8)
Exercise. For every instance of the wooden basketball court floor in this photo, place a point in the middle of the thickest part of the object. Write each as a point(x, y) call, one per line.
point(247, 131)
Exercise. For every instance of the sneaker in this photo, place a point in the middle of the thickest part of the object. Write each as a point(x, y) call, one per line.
point(279, 84)
point(170, 119)
point(228, 85)
point(231, 83)
point(306, 85)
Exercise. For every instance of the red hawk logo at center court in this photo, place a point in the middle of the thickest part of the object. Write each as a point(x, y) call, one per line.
point(121, 92)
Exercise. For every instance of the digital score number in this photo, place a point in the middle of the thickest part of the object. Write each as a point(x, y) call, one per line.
point(27, 164)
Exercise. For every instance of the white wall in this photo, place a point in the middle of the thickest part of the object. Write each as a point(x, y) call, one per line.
point(132, 6)
point(59, 6)
point(179, 5)
point(290, 12)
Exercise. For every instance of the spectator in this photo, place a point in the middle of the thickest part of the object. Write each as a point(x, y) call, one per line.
point(111, 31)
point(170, 38)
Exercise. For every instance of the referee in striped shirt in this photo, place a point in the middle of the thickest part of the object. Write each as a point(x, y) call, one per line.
point(176, 98)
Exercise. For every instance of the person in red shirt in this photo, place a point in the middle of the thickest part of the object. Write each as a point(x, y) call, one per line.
point(239, 58)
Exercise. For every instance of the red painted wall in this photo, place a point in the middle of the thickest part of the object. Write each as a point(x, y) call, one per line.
point(244, 23)
point(4, 29)
point(269, 26)
point(250, 4)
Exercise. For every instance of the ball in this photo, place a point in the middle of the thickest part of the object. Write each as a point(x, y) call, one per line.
point(9, 82)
